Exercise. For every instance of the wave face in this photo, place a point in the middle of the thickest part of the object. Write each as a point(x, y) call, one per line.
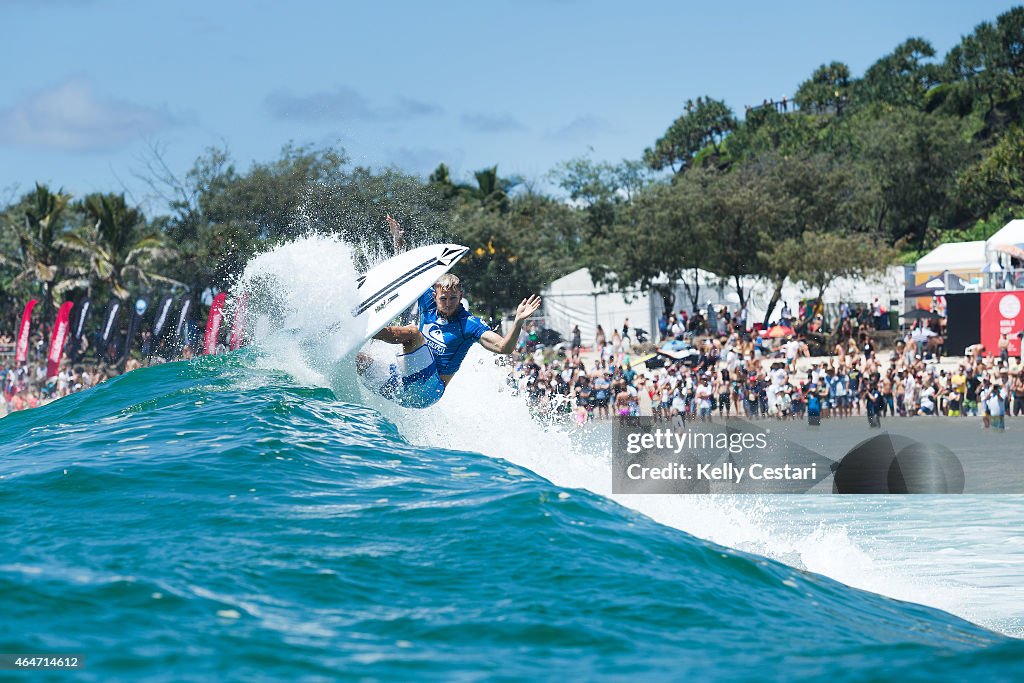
point(259, 516)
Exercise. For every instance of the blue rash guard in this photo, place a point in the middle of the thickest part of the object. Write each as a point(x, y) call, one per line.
point(448, 339)
point(413, 380)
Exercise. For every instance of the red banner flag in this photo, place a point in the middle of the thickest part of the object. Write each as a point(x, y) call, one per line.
point(57, 339)
point(238, 323)
point(1001, 313)
point(21, 348)
point(213, 323)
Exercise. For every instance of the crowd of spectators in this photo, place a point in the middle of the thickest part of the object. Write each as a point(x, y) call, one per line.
point(733, 373)
point(25, 385)
point(729, 371)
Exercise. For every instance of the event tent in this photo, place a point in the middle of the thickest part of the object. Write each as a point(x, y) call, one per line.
point(936, 286)
point(1006, 242)
point(575, 300)
point(964, 257)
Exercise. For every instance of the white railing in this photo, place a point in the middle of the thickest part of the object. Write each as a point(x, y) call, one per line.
point(978, 281)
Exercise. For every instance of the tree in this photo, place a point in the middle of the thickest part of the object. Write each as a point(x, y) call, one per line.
point(996, 182)
point(705, 123)
point(40, 221)
point(600, 188)
point(441, 179)
point(803, 194)
point(901, 78)
point(656, 242)
point(767, 130)
point(819, 258)
point(911, 160)
point(826, 91)
point(990, 64)
point(118, 243)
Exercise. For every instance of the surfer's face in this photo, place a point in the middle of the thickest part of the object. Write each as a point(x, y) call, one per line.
point(448, 301)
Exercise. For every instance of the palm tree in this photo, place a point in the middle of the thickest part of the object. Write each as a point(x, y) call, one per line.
point(118, 244)
point(40, 224)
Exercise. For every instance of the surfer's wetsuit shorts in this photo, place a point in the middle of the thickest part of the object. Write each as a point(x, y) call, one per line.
point(411, 381)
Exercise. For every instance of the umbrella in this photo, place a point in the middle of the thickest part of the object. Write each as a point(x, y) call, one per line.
point(920, 314)
point(932, 288)
point(778, 331)
point(1011, 249)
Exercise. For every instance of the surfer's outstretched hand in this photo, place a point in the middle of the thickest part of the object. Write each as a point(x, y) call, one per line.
point(528, 307)
point(397, 233)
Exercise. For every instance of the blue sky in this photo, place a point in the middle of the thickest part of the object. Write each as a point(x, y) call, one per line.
point(92, 86)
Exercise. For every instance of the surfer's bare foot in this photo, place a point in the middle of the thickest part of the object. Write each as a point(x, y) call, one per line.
point(397, 234)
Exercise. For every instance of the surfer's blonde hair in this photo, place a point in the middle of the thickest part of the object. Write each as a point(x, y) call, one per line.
point(448, 281)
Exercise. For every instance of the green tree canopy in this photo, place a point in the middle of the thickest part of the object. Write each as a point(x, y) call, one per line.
point(39, 221)
point(826, 91)
point(705, 123)
point(118, 243)
point(902, 78)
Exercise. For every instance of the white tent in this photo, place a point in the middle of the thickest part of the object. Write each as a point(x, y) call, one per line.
point(887, 286)
point(954, 256)
point(1010, 235)
point(575, 300)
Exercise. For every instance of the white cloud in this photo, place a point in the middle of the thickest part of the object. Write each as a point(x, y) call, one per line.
point(580, 128)
point(491, 123)
point(343, 103)
point(72, 116)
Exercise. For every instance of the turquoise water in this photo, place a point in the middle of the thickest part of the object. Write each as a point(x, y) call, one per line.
point(194, 520)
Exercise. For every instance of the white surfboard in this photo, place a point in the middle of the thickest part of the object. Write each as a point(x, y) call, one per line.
point(390, 287)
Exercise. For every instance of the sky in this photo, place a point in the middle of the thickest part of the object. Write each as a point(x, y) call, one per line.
point(94, 90)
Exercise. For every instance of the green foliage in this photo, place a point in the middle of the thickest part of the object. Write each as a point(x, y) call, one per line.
point(601, 189)
point(119, 245)
point(910, 160)
point(514, 252)
point(998, 179)
point(826, 91)
point(902, 78)
point(705, 123)
point(818, 258)
point(36, 263)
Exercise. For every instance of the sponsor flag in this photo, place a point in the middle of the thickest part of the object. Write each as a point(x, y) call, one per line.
point(141, 304)
point(110, 319)
point(21, 347)
point(81, 313)
point(163, 316)
point(213, 323)
point(1001, 313)
point(181, 332)
point(57, 339)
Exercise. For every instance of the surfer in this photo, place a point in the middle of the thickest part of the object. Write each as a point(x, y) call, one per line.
point(433, 350)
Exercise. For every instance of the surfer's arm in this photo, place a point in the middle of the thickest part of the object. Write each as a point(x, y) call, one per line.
point(399, 334)
point(495, 343)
